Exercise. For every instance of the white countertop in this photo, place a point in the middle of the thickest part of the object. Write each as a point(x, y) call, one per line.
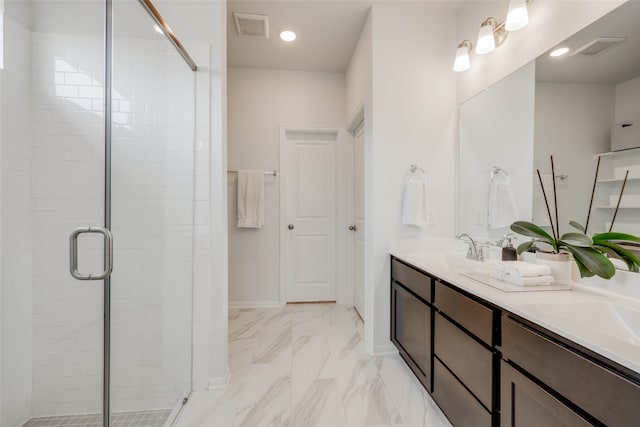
point(602, 321)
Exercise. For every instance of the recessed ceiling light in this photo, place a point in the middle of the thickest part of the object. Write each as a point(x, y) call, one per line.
point(157, 28)
point(559, 51)
point(288, 36)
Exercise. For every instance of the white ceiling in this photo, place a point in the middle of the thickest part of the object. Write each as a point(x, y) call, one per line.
point(327, 31)
point(612, 66)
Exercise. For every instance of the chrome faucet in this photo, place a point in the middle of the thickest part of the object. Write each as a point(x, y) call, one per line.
point(472, 253)
point(507, 236)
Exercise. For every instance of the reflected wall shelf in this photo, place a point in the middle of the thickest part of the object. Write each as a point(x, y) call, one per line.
point(604, 181)
point(613, 207)
point(615, 153)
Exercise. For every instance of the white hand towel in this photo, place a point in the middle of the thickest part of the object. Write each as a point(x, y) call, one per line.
point(518, 270)
point(414, 210)
point(529, 281)
point(250, 199)
point(502, 205)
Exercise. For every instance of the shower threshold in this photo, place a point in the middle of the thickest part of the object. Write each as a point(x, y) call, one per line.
point(152, 418)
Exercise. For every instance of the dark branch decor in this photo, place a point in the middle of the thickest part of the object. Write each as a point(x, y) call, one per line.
point(589, 252)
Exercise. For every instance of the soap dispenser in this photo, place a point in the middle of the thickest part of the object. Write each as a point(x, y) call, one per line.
point(509, 253)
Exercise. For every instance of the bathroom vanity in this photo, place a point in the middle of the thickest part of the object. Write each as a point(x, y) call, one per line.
point(489, 358)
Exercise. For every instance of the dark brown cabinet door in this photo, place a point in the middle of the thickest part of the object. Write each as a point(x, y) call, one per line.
point(525, 404)
point(411, 332)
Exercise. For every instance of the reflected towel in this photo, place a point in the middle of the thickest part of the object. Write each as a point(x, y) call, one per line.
point(502, 205)
point(414, 210)
point(250, 199)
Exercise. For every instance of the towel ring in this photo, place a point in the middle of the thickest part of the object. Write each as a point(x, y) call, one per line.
point(416, 168)
point(495, 170)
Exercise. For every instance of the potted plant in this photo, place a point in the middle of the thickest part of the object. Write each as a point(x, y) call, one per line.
point(589, 252)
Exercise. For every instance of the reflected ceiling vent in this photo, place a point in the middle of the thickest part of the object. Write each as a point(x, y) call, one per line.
point(598, 45)
point(251, 25)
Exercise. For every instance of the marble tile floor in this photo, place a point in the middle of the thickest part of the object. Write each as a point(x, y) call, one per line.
point(305, 365)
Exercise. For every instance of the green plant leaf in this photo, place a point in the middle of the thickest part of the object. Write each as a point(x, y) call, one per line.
point(631, 259)
point(584, 271)
point(593, 260)
point(577, 239)
point(620, 237)
point(531, 230)
point(525, 246)
point(577, 226)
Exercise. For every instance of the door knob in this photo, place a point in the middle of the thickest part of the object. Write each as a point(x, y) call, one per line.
point(353, 228)
point(290, 227)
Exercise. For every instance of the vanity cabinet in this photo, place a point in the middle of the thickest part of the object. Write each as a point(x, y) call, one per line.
point(526, 404)
point(550, 378)
point(487, 367)
point(464, 358)
point(411, 319)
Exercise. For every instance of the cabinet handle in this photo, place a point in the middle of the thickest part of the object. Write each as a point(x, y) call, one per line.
point(290, 227)
point(353, 228)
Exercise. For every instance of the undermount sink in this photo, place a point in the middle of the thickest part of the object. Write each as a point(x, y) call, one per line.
point(610, 318)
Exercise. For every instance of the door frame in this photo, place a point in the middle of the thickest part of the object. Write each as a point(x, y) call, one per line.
point(344, 149)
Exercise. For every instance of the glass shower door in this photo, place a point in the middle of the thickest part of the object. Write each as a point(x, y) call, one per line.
point(152, 202)
point(52, 173)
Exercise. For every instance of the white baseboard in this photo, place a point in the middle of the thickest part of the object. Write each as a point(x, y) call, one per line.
point(216, 383)
point(384, 349)
point(254, 304)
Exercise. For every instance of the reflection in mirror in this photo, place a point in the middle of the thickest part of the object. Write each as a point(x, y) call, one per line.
point(496, 131)
point(577, 99)
point(580, 97)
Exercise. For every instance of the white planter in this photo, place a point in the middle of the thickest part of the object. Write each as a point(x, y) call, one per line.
point(561, 266)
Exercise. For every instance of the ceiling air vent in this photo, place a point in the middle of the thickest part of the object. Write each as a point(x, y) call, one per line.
point(598, 45)
point(251, 25)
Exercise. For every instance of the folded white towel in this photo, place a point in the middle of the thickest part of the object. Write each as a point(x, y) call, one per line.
point(414, 210)
point(518, 269)
point(502, 210)
point(250, 199)
point(529, 281)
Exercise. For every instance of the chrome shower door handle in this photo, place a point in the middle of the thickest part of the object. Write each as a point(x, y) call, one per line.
point(108, 253)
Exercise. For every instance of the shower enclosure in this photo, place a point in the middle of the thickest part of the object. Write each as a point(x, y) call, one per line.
point(97, 214)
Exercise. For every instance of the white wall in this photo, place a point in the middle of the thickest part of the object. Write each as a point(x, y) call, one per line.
point(413, 120)
point(260, 101)
point(358, 74)
point(627, 106)
point(573, 123)
point(550, 22)
point(496, 129)
point(15, 247)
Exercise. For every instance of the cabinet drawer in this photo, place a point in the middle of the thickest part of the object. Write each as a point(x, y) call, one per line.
point(466, 358)
point(462, 409)
point(412, 279)
point(524, 404)
point(475, 317)
point(411, 332)
point(608, 397)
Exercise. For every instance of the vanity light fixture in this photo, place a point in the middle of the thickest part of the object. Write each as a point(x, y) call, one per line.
point(288, 35)
point(462, 62)
point(491, 34)
point(559, 51)
point(518, 16)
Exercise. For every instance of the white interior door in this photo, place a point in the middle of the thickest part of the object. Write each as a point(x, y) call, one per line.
point(358, 190)
point(310, 214)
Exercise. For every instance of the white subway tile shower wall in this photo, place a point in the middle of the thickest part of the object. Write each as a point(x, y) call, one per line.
point(15, 246)
point(152, 205)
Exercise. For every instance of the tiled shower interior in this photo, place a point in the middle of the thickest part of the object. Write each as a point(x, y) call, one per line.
point(52, 181)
